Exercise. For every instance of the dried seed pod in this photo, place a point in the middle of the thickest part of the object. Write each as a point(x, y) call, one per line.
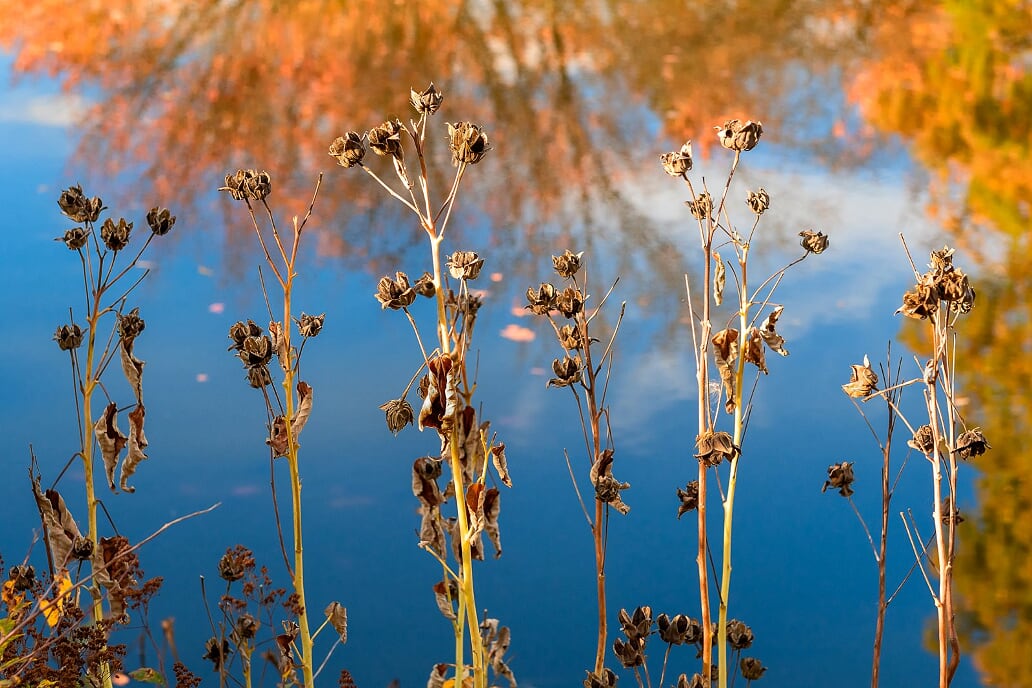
point(74, 238)
point(257, 184)
point(395, 293)
point(386, 139)
point(426, 101)
point(678, 163)
point(570, 302)
point(116, 235)
point(630, 653)
point(68, 337)
point(678, 630)
point(813, 242)
point(714, 447)
point(689, 498)
point(77, 207)
point(922, 301)
point(738, 136)
point(739, 636)
point(752, 668)
point(543, 300)
point(82, 548)
point(758, 201)
point(399, 414)
point(570, 337)
point(567, 265)
point(567, 371)
point(240, 331)
point(701, 206)
point(424, 286)
point(607, 487)
point(840, 476)
point(259, 377)
point(131, 324)
point(217, 652)
point(923, 440)
point(636, 626)
point(605, 679)
point(863, 381)
point(949, 511)
point(245, 628)
point(972, 443)
point(256, 352)
point(694, 682)
point(465, 265)
point(348, 149)
point(160, 220)
point(310, 325)
point(468, 143)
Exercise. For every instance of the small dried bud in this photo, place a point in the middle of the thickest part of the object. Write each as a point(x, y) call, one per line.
point(68, 337)
point(567, 371)
point(427, 101)
point(678, 163)
point(567, 265)
point(77, 207)
point(758, 201)
point(570, 302)
point(386, 139)
point(863, 381)
point(131, 324)
point(348, 149)
point(256, 352)
point(972, 443)
point(921, 302)
point(923, 440)
point(399, 414)
point(23, 576)
point(739, 636)
point(424, 286)
point(235, 563)
point(160, 220)
point(813, 242)
point(736, 136)
point(694, 682)
point(217, 652)
point(675, 631)
point(701, 206)
point(606, 679)
point(241, 331)
point(570, 337)
point(259, 377)
point(82, 548)
point(689, 498)
point(752, 668)
point(949, 512)
point(630, 653)
point(714, 447)
point(116, 236)
point(942, 260)
point(74, 238)
point(465, 265)
point(468, 143)
point(310, 325)
point(840, 476)
point(542, 301)
point(395, 293)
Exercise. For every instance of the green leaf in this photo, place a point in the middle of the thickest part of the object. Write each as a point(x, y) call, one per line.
point(147, 675)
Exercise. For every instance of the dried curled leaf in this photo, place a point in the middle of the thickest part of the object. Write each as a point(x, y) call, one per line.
point(770, 336)
point(58, 524)
point(754, 351)
point(492, 506)
point(496, 641)
point(863, 381)
point(500, 463)
point(338, 617)
point(607, 487)
point(437, 675)
point(114, 566)
point(137, 443)
point(278, 440)
point(719, 277)
point(445, 594)
point(435, 409)
point(111, 441)
point(725, 352)
point(132, 367)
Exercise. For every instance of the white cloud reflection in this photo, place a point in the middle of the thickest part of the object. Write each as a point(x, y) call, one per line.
point(50, 110)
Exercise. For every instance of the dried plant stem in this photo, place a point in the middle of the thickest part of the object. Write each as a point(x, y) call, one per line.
point(703, 380)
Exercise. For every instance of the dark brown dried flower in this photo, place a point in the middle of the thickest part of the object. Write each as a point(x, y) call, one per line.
point(240, 331)
point(468, 143)
point(235, 563)
point(813, 242)
point(399, 414)
point(82, 548)
point(922, 301)
point(607, 487)
point(386, 139)
point(863, 381)
point(923, 440)
point(739, 636)
point(714, 447)
point(567, 371)
point(217, 652)
point(395, 293)
point(636, 626)
point(972, 443)
point(68, 337)
point(570, 337)
point(23, 576)
point(74, 238)
point(689, 498)
point(675, 631)
point(348, 149)
point(116, 235)
point(678, 163)
point(257, 184)
point(752, 668)
point(77, 207)
point(235, 186)
point(310, 325)
point(428, 100)
point(942, 260)
point(465, 265)
point(131, 324)
point(542, 301)
point(630, 653)
point(949, 511)
point(246, 628)
point(701, 206)
point(160, 220)
point(965, 303)
point(953, 285)
point(840, 476)
point(570, 302)
point(424, 286)
point(736, 136)
point(567, 265)
point(606, 679)
point(694, 682)
point(758, 201)
point(259, 377)
point(256, 352)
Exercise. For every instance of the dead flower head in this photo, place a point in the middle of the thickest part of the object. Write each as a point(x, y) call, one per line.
point(259, 377)
point(240, 331)
point(348, 149)
point(248, 185)
point(570, 302)
point(426, 101)
point(739, 636)
point(468, 143)
point(77, 207)
point(631, 653)
point(923, 440)
point(701, 206)
point(74, 238)
point(386, 139)
point(395, 293)
point(131, 324)
point(752, 668)
point(739, 137)
point(160, 220)
point(424, 286)
point(570, 337)
point(310, 325)
point(863, 381)
point(465, 265)
point(116, 235)
point(678, 163)
point(541, 301)
point(68, 337)
point(922, 301)
point(813, 242)
point(714, 447)
point(217, 652)
point(567, 371)
point(256, 352)
point(758, 201)
point(679, 630)
point(636, 626)
point(694, 682)
point(689, 498)
point(567, 265)
point(399, 414)
point(840, 476)
point(972, 443)
point(605, 679)
point(235, 563)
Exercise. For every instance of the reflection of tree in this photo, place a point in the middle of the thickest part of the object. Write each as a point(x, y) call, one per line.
point(956, 83)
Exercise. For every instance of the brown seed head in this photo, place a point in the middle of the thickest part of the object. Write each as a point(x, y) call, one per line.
point(714, 447)
point(240, 331)
point(631, 653)
point(567, 371)
point(256, 352)
point(923, 440)
point(74, 238)
point(424, 286)
point(468, 143)
point(23, 576)
point(701, 206)
point(570, 337)
point(694, 682)
point(82, 548)
point(739, 636)
point(257, 184)
point(465, 265)
point(752, 668)
point(840, 476)
point(922, 301)
point(395, 293)
point(736, 136)
point(567, 265)
point(310, 325)
point(863, 381)
point(948, 511)
point(758, 201)
point(259, 377)
point(131, 324)
point(68, 337)
point(678, 163)
point(399, 414)
point(160, 220)
point(605, 679)
point(246, 628)
point(386, 139)
point(235, 563)
point(116, 236)
point(813, 242)
point(972, 443)
point(426, 101)
point(543, 300)
point(77, 207)
point(217, 652)
point(675, 631)
point(570, 302)
point(689, 498)
point(348, 149)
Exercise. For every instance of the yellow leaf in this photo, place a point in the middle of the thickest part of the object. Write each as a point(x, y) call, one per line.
point(52, 610)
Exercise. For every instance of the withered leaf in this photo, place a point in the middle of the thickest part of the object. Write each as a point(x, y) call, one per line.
point(475, 506)
point(725, 352)
point(445, 594)
point(137, 443)
point(497, 640)
point(278, 439)
point(775, 341)
point(437, 675)
point(132, 367)
point(492, 506)
point(607, 487)
point(863, 381)
point(500, 463)
point(114, 569)
point(338, 617)
point(425, 472)
point(754, 351)
point(719, 276)
point(58, 522)
point(434, 409)
point(431, 532)
point(284, 641)
point(279, 343)
point(111, 441)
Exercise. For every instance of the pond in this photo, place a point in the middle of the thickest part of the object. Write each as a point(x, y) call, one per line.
point(879, 119)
